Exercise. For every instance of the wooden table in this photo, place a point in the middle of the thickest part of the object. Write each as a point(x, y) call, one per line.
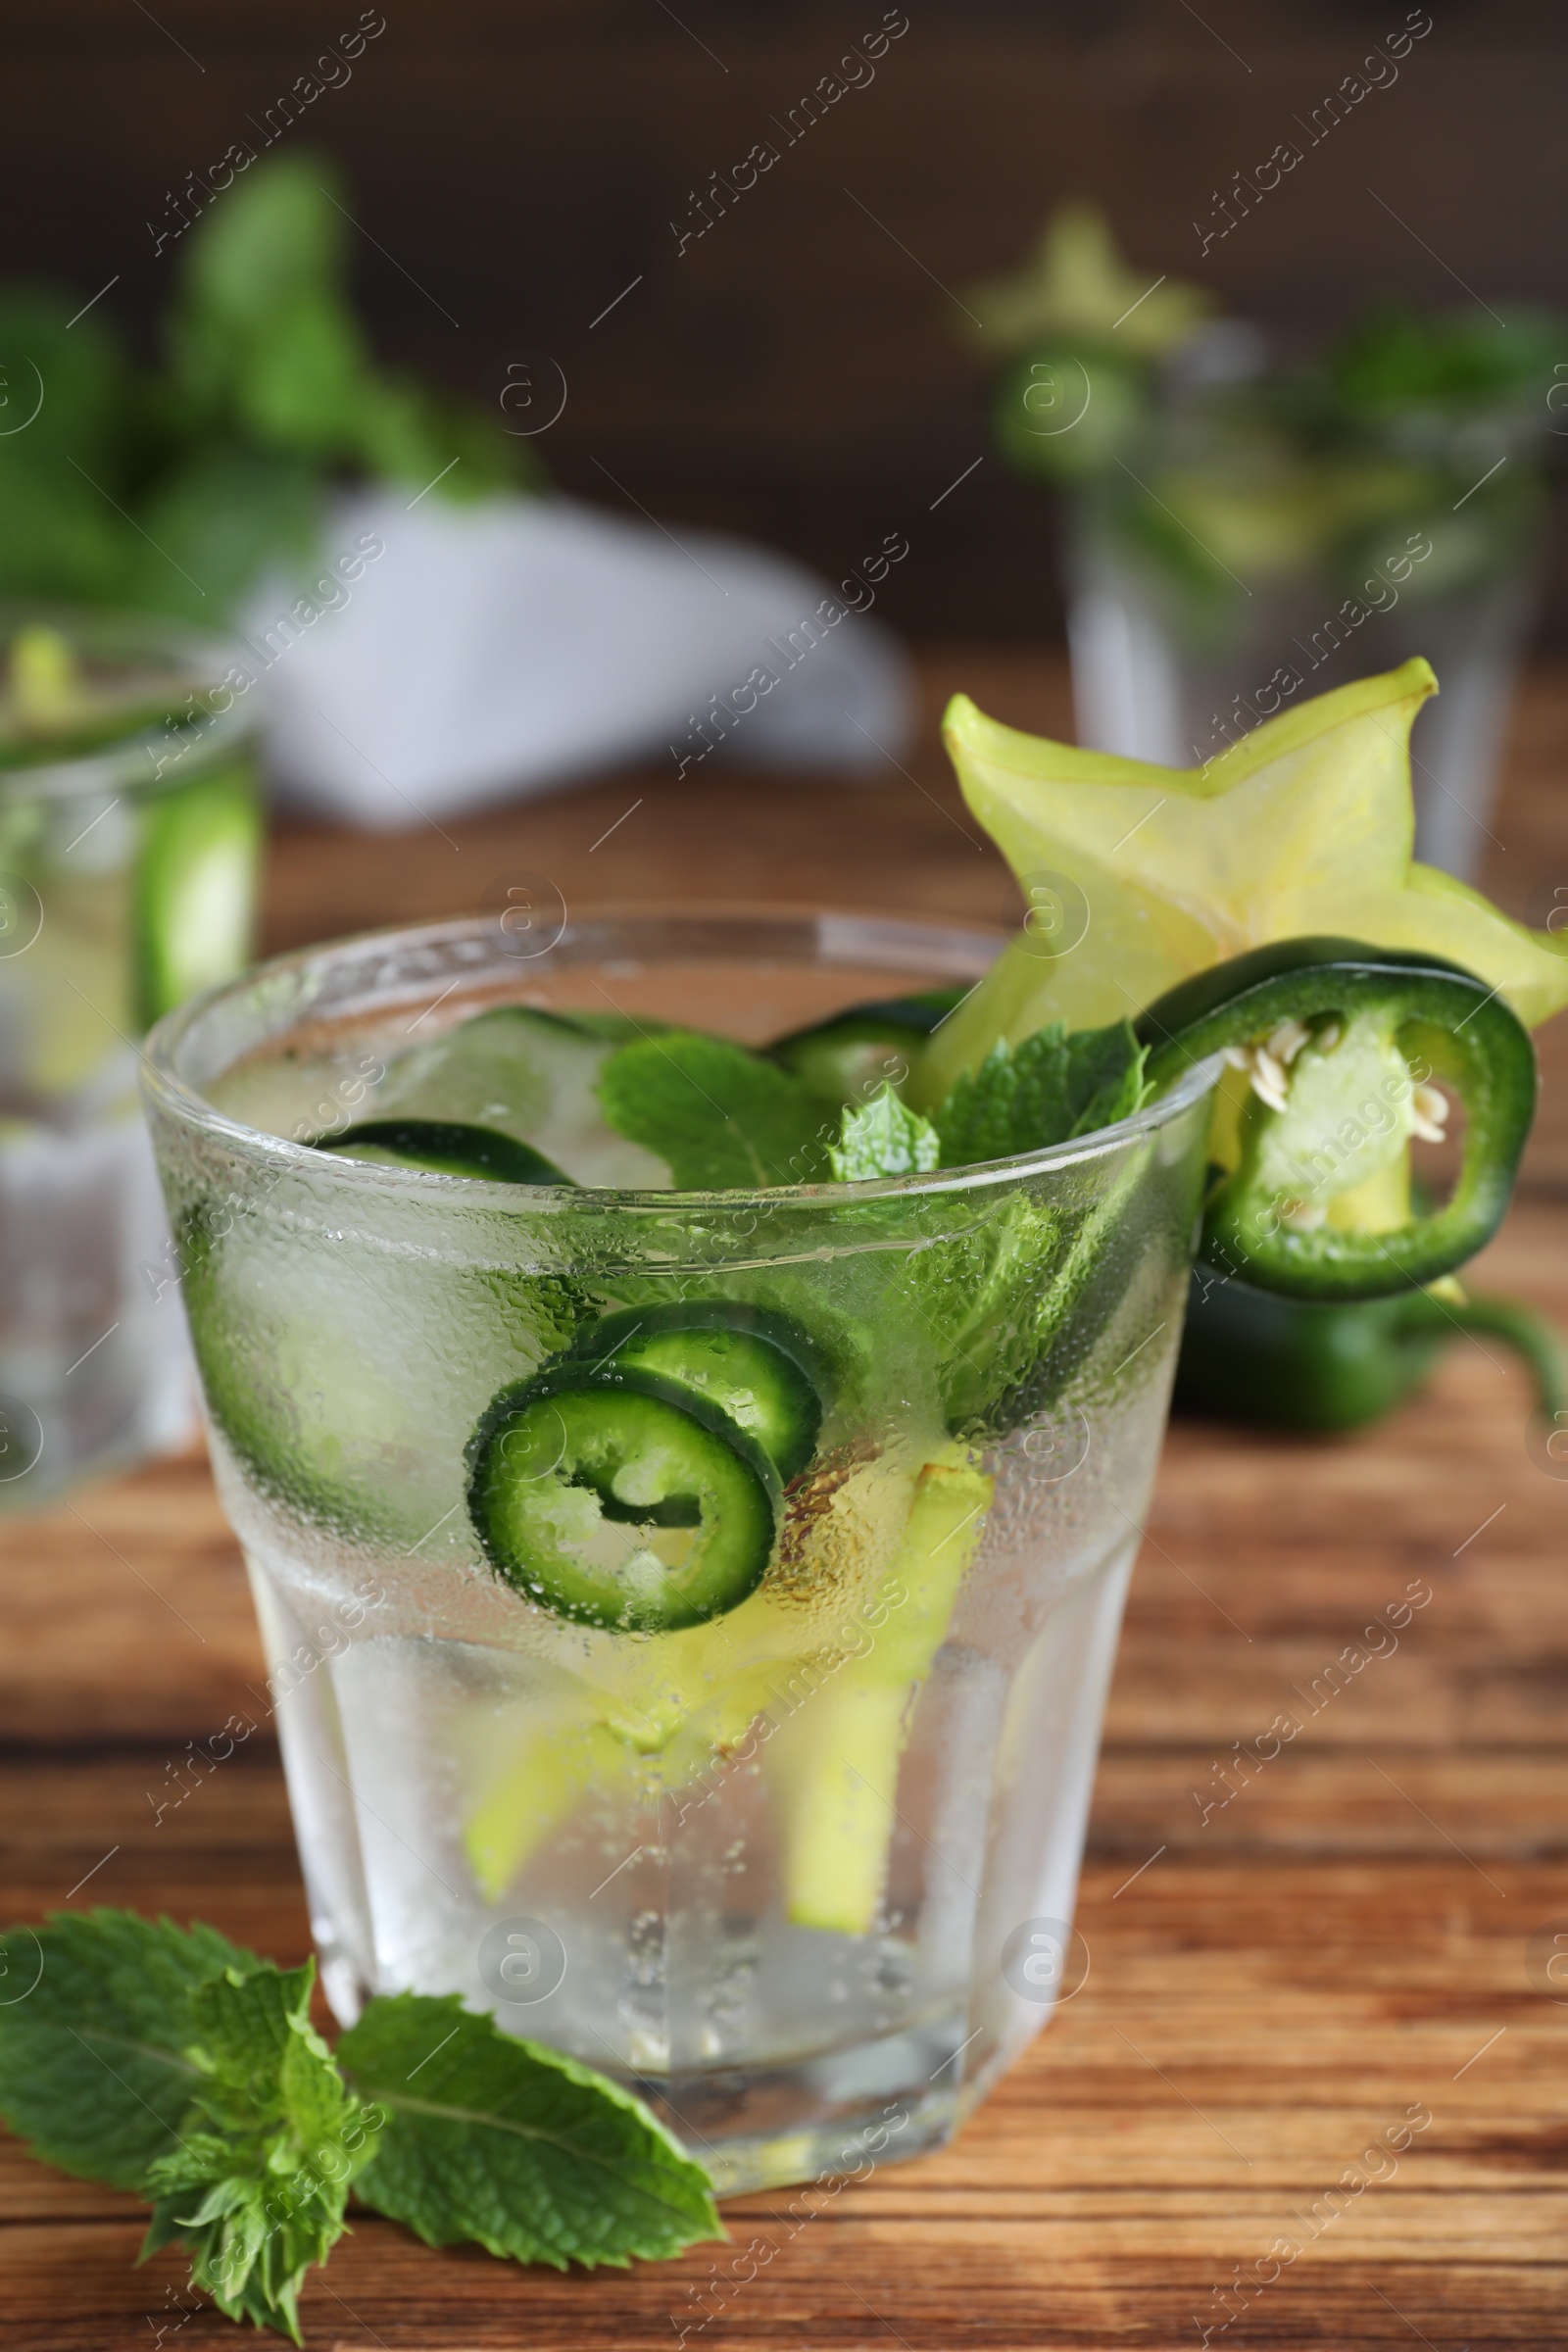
point(1272, 1983)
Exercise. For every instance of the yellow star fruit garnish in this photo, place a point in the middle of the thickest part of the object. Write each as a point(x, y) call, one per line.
point(1137, 875)
point(1076, 285)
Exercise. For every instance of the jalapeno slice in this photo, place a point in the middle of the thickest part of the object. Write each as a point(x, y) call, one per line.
point(445, 1148)
point(619, 1500)
point(1377, 1009)
point(756, 1367)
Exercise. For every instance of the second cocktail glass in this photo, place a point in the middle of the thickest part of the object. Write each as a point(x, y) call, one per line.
point(130, 843)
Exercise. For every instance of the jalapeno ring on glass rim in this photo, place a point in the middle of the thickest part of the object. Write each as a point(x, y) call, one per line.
point(1261, 1220)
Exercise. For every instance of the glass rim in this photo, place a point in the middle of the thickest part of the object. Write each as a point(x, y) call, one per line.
point(165, 1090)
point(207, 660)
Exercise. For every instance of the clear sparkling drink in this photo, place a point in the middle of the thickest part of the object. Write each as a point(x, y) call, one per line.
point(798, 1863)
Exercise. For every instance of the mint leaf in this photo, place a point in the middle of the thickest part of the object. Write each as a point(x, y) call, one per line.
point(1104, 1248)
point(517, 2147)
point(1043, 1105)
point(257, 2182)
point(266, 347)
point(975, 1122)
point(1014, 1303)
point(980, 1292)
point(1055, 1085)
point(721, 1117)
point(883, 1139)
point(1105, 1079)
point(181, 2065)
point(94, 2074)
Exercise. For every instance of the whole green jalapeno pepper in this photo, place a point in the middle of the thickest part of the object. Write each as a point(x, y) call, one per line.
point(1294, 1363)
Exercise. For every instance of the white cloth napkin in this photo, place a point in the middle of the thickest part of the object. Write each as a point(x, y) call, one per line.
point(441, 658)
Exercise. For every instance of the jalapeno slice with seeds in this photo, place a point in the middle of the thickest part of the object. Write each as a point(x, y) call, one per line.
point(1375, 1009)
point(615, 1499)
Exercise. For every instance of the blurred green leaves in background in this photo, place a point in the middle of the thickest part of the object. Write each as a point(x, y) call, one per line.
point(170, 489)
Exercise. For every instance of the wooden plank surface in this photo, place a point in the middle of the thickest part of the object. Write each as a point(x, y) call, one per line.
point(1274, 1978)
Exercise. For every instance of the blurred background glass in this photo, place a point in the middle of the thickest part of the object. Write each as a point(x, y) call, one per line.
point(1243, 532)
point(129, 863)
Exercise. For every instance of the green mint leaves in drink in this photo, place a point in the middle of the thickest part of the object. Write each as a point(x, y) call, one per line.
point(1054, 1086)
point(721, 1118)
point(884, 1138)
point(176, 2065)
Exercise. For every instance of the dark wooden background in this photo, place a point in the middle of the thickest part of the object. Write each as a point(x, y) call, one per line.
point(795, 375)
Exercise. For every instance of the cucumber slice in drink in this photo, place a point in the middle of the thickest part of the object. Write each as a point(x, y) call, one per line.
point(529, 1074)
point(194, 891)
point(445, 1148)
point(621, 1500)
point(349, 1390)
point(758, 1367)
point(71, 992)
point(848, 1058)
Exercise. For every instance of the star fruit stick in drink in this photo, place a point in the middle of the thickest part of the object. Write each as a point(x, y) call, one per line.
point(834, 1720)
point(659, 1713)
point(833, 1762)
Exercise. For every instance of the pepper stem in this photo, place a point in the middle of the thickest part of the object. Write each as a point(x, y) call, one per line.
point(1531, 1336)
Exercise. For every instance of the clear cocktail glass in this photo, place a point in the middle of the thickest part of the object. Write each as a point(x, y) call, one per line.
point(1248, 567)
point(130, 838)
point(803, 1873)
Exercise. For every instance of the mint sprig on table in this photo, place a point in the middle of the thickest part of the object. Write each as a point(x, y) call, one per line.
point(256, 2179)
point(182, 2067)
point(517, 2147)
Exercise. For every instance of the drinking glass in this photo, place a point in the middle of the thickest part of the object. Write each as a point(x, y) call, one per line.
point(129, 846)
point(1239, 567)
point(802, 1874)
